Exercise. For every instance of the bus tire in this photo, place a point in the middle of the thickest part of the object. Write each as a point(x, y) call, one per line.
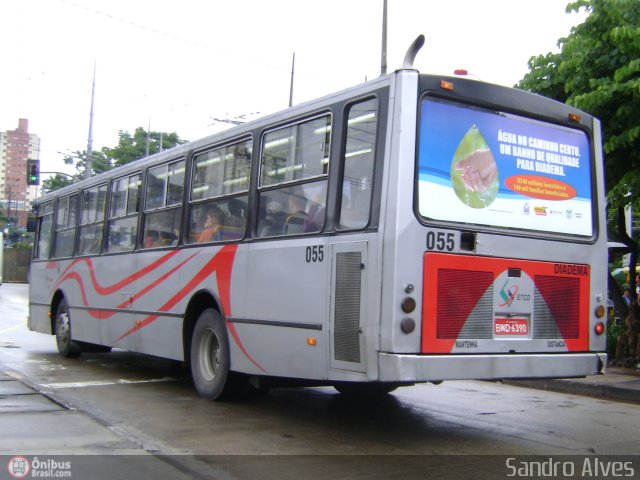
point(66, 346)
point(210, 360)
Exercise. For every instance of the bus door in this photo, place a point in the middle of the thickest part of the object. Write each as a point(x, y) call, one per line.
point(348, 305)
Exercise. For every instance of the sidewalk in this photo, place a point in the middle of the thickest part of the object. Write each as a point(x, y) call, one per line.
point(618, 384)
point(43, 435)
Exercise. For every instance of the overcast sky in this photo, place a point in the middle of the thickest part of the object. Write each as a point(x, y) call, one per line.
point(177, 64)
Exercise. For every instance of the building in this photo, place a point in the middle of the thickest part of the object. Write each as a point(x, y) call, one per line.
point(16, 146)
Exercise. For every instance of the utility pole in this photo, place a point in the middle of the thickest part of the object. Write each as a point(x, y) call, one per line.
point(383, 56)
point(9, 206)
point(293, 67)
point(87, 172)
point(146, 149)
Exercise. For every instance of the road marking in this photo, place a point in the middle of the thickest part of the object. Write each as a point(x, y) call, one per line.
point(15, 327)
point(102, 383)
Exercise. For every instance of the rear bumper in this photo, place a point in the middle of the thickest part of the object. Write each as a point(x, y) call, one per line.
point(422, 368)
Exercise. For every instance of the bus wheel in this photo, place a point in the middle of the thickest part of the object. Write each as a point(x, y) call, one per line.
point(66, 346)
point(210, 356)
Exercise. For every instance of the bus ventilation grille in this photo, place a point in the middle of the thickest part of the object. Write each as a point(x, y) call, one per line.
point(464, 304)
point(347, 306)
point(556, 307)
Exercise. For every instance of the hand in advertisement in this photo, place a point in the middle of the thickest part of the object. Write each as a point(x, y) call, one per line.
point(479, 170)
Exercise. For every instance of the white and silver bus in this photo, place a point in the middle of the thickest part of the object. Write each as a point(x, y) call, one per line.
point(414, 228)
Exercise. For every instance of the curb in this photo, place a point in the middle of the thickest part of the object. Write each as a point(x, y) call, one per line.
point(582, 387)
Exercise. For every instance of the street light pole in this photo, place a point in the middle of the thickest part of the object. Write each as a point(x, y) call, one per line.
point(87, 172)
point(383, 55)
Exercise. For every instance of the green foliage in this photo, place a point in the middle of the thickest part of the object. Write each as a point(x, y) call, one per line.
point(130, 147)
point(598, 70)
point(56, 182)
point(22, 245)
point(614, 330)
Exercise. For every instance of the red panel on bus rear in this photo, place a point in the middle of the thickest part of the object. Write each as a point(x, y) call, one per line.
point(488, 299)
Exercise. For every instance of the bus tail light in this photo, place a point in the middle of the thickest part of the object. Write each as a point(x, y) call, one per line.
point(599, 328)
point(408, 305)
point(600, 311)
point(407, 325)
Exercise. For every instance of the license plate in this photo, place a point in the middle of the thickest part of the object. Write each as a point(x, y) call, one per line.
point(518, 327)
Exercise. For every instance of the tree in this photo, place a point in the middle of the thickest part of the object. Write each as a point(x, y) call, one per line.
point(598, 70)
point(56, 182)
point(129, 148)
point(132, 147)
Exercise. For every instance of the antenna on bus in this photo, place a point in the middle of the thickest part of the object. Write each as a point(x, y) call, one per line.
point(412, 51)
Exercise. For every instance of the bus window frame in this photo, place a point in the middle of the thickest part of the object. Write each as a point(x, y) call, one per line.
point(180, 206)
point(260, 189)
point(80, 225)
point(111, 219)
point(376, 172)
point(38, 235)
point(193, 204)
point(66, 228)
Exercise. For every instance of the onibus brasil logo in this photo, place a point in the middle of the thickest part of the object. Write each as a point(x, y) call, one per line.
point(21, 467)
point(508, 294)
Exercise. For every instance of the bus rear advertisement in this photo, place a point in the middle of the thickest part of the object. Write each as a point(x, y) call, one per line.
point(414, 228)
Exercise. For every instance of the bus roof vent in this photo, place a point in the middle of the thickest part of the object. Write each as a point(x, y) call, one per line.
point(412, 51)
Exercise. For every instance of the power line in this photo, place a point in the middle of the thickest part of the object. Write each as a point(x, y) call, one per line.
point(133, 24)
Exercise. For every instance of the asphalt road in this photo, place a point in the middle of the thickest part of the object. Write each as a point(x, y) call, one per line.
point(146, 406)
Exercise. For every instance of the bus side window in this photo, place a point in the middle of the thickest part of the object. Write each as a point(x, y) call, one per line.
point(123, 214)
point(358, 162)
point(218, 199)
point(163, 205)
point(219, 220)
point(44, 230)
point(65, 230)
point(297, 153)
point(92, 207)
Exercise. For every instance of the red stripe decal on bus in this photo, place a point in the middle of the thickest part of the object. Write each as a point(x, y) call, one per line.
point(117, 286)
point(155, 283)
point(234, 333)
point(221, 264)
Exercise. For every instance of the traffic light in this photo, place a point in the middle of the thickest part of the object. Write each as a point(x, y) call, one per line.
point(33, 172)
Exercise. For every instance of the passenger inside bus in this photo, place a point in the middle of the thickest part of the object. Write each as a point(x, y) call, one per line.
point(168, 238)
point(295, 222)
point(314, 220)
point(211, 222)
point(273, 223)
point(236, 213)
point(151, 239)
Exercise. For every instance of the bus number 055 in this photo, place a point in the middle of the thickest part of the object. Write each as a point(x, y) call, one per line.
point(315, 254)
point(440, 241)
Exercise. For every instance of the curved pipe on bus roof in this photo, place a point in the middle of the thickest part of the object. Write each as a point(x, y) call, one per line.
point(412, 51)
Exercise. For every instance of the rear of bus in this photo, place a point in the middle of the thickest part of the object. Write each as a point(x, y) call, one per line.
point(495, 259)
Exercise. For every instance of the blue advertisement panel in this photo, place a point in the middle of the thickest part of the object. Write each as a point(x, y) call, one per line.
point(491, 168)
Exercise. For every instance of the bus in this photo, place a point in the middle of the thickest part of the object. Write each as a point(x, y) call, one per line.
point(415, 228)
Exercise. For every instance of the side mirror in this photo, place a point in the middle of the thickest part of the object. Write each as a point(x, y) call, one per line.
point(31, 223)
